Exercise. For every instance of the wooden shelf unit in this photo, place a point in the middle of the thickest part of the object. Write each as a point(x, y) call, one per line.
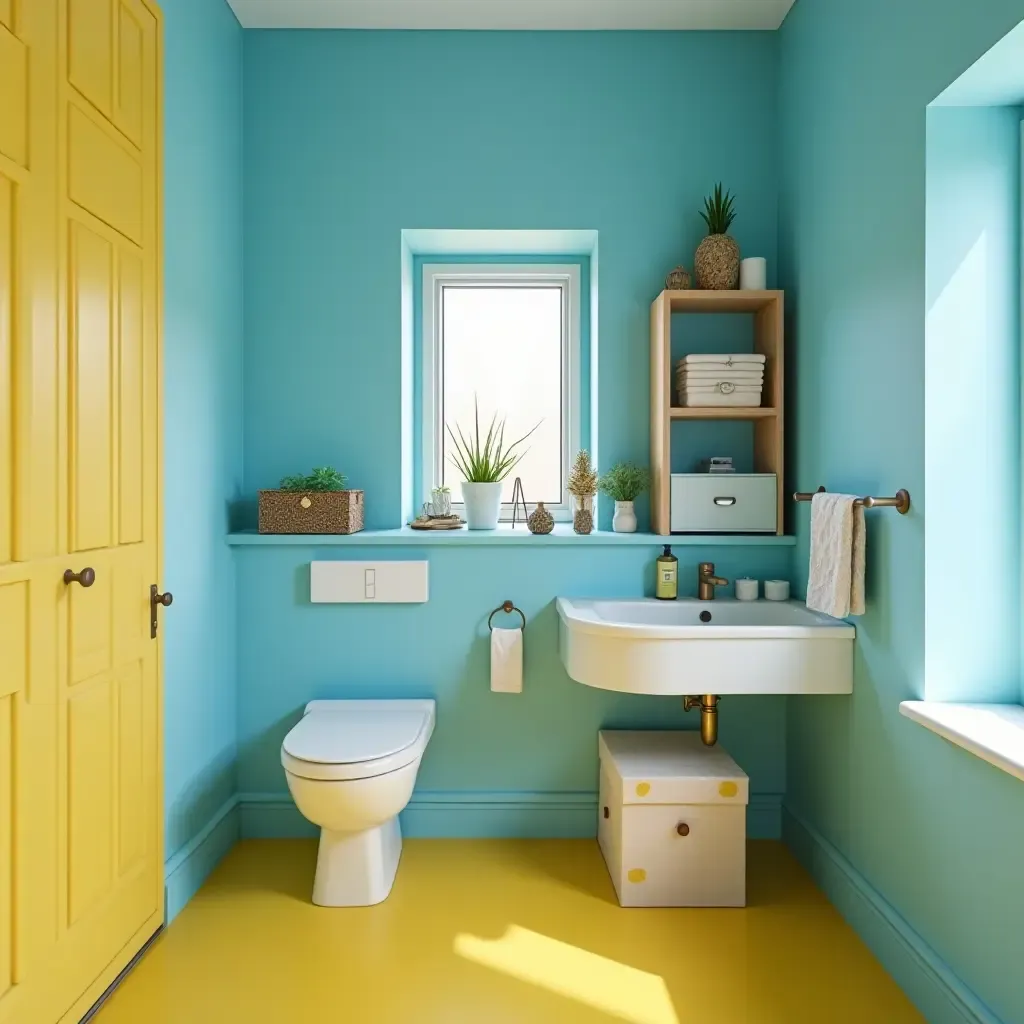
point(767, 308)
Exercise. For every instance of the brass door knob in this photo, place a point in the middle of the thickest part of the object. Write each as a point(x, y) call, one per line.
point(683, 829)
point(85, 578)
point(155, 600)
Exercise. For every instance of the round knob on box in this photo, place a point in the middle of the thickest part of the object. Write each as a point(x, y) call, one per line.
point(165, 599)
point(683, 829)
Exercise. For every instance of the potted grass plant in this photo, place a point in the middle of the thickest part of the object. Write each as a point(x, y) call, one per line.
point(484, 464)
point(624, 483)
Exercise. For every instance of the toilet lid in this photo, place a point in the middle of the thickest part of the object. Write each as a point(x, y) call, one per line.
point(351, 737)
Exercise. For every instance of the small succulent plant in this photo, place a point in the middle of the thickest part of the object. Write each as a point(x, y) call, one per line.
point(719, 211)
point(325, 478)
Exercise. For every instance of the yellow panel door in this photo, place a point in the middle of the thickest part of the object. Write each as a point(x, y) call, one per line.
point(81, 845)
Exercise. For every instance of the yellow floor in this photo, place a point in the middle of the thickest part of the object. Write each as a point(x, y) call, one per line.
point(499, 931)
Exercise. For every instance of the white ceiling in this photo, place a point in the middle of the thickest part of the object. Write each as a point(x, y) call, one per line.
point(513, 14)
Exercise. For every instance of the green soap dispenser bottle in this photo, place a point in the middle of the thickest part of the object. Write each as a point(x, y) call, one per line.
point(666, 586)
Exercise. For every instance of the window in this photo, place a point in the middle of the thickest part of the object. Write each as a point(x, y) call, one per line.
point(506, 336)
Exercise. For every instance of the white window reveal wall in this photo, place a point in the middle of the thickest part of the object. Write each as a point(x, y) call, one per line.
point(503, 338)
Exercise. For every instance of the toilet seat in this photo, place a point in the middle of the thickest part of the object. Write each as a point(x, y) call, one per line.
point(355, 742)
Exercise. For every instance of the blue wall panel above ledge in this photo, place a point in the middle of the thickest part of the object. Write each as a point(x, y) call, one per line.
point(542, 132)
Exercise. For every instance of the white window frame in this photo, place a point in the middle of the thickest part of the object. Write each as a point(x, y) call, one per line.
point(438, 275)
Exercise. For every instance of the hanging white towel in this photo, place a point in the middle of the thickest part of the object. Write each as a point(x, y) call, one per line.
point(835, 584)
point(506, 660)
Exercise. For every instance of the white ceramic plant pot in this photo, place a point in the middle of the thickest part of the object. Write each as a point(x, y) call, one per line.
point(624, 520)
point(483, 505)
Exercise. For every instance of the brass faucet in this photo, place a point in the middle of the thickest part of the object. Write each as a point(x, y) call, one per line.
point(707, 581)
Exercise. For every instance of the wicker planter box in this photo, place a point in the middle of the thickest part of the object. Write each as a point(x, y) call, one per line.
point(311, 511)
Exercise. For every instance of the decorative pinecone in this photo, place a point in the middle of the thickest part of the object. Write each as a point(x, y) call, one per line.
point(678, 280)
point(540, 520)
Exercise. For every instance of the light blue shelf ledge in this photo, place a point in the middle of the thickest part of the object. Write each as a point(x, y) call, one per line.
point(503, 536)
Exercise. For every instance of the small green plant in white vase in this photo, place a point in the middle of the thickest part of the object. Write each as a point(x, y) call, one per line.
point(484, 464)
point(624, 483)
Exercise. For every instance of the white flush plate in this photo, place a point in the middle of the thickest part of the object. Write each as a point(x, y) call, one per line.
point(369, 582)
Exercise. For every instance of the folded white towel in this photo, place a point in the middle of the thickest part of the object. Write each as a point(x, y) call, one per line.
point(707, 399)
point(720, 368)
point(698, 368)
point(835, 584)
point(713, 375)
point(506, 660)
point(725, 358)
point(723, 387)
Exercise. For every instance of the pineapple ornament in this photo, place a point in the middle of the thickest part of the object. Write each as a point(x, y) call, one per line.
point(717, 262)
point(583, 487)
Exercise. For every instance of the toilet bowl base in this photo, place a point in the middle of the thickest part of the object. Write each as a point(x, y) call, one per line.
point(357, 869)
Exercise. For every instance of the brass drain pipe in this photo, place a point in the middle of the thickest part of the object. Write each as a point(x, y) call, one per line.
point(708, 704)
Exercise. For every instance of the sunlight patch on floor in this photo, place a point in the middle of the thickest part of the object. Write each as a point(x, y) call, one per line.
point(607, 985)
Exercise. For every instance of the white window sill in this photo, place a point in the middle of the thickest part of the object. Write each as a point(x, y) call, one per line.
point(993, 732)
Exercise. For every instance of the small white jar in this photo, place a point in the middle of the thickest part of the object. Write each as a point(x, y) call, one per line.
point(754, 274)
point(776, 590)
point(746, 589)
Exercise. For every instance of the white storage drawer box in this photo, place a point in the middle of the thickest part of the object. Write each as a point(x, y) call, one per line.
point(672, 820)
point(723, 503)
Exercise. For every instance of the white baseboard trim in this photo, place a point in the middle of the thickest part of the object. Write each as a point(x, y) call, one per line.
point(190, 865)
point(926, 978)
point(458, 814)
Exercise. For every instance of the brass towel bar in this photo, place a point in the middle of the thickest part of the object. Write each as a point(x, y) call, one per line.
point(899, 501)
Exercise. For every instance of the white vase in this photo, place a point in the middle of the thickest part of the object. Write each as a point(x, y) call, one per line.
point(624, 520)
point(483, 504)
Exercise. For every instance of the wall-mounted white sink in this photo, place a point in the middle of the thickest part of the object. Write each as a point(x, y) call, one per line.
point(667, 647)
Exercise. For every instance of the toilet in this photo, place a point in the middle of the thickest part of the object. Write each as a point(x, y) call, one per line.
point(351, 766)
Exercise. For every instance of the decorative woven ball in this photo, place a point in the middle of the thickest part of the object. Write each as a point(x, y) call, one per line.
point(678, 280)
point(717, 263)
point(540, 520)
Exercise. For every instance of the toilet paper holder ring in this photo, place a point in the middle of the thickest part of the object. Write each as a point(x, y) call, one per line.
point(508, 608)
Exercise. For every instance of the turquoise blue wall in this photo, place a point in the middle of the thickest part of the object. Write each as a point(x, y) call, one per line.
point(936, 831)
point(972, 402)
point(541, 742)
point(351, 137)
point(202, 408)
